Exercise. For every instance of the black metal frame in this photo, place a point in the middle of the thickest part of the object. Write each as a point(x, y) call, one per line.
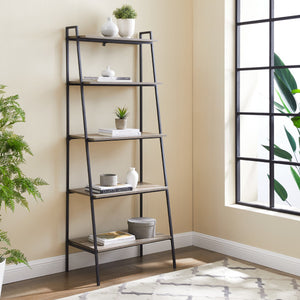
point(271, 114)
point(77, 38)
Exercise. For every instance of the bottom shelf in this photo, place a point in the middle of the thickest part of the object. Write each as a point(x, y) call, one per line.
point(86, 245)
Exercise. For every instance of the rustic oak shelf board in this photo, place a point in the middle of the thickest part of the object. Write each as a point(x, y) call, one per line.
point(140, 189)
point(113, 83)
point(118, 40)
point(85, 244)
point(94, 137)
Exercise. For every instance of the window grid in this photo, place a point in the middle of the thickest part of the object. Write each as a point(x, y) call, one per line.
point(271, 114)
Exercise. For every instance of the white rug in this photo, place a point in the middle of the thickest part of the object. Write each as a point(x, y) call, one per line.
point(227, 279)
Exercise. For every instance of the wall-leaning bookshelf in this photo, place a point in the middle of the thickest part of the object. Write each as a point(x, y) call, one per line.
point(72, 36)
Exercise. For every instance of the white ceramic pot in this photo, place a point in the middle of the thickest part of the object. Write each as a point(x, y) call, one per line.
point(126, 27)
point(109, 28)
point(132, 177)
point(2, 268)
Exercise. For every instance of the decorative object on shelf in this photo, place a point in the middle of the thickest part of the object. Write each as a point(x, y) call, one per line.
point(108, 179)
point(108, 72)
point(98, 189)
point(119, 132)
point(112, 237)
point(109, 28)
point(14, 183)
point(126, 20)
point(93, 79)
point(142, 227)
point(114, 78)
point(121, 121)
point(132, 177)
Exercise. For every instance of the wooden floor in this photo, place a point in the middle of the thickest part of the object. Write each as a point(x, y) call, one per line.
point(83, 280)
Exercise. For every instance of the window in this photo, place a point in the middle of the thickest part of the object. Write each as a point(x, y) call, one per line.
point(267, 104)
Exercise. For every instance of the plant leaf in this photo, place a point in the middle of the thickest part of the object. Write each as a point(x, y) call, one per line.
point(279, 106)
point(291, 140)
point(290, 101)
point(295, 91)
point(280, 152)
point(296, 121)
point(296, 177)
point(284, 74)
point(280, 190)
point(288, 111)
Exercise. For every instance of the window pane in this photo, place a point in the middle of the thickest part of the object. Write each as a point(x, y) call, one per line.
point(286, 140)
point(286, 41)
point(288, 193)
point(254, 91)
point(254, 182)
point(254, 133)
point(254, 45)
point(254, 10)
point(284, 8)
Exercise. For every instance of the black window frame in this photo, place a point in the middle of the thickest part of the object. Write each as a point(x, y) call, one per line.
point(270, 114)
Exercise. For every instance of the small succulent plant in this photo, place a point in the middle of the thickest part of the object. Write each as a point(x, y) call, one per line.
point(121, 112)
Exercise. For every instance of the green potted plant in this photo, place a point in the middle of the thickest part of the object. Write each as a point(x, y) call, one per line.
point(126, 20)
point(14, 184)
point(121, 120)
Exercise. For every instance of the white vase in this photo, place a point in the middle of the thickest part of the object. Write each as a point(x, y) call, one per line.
point(108, 72)
point(126, 27)
point(109, 28)
point(2, 268)
point(132, 177)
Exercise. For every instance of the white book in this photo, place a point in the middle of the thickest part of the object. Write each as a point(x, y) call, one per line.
point(119, 132)
point(114, 78)
point(94, 79)
point(112, 237)
point(100, 189)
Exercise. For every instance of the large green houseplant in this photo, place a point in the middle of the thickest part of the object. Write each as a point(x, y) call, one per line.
point(15, 186)
point(287, 89)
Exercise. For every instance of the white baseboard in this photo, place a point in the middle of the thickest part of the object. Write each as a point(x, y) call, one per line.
point(52, 265)
point(259, 256)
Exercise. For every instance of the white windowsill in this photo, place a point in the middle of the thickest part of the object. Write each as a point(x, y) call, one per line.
point(264, 211)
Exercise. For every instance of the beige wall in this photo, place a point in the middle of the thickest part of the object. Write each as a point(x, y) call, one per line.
point(213, 141)
point(32, 65)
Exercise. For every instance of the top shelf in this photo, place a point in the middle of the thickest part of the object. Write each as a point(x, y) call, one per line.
point(110, 40)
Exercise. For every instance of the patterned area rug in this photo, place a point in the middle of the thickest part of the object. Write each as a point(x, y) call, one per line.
point(227, 279)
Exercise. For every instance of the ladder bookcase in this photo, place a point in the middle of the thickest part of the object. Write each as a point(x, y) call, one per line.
point(72, 35)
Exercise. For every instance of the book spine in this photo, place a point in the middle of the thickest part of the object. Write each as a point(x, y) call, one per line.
point(115, 190)
point(112, 190)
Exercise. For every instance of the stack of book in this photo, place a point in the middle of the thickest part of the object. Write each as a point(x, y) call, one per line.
point(99, 189)
point(93, 79)
point(113, 237)
point(119, 132)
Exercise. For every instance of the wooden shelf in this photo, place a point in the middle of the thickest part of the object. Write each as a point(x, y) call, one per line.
point(86, 245)
point(141, 188)
point(94, 137)
point(109, 40)
point(112, 83)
